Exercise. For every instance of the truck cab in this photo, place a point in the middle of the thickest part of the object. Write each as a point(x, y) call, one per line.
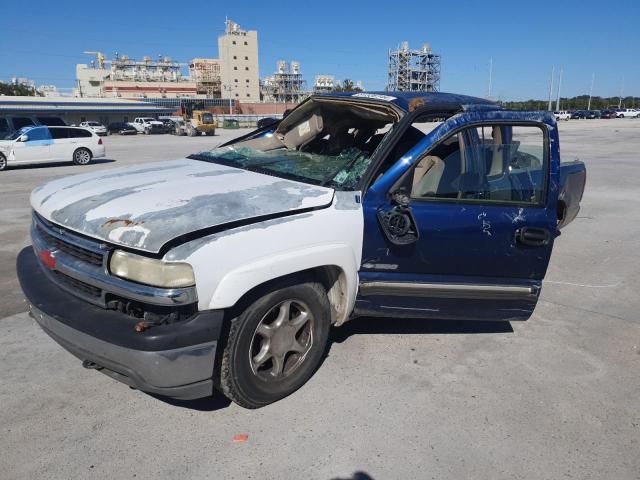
point(226, 269)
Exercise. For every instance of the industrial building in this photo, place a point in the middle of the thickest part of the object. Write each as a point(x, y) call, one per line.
point(130, 78)
point(286, 85)
point(206, 72)
point(76, 110)
point(413, 70)
point(238, 52)
point(233, 75)
point(324, 84)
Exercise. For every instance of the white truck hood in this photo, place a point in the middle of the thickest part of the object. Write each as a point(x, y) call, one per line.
point(145, 207)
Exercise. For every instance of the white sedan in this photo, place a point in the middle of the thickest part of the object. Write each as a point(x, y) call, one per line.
point(95, 127)
point(41, 144)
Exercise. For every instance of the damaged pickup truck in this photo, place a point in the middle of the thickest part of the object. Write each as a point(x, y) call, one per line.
point(226, 269)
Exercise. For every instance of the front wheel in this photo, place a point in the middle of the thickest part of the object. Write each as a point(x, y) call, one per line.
point(81, 156)
point(3, 162)
point(276, 344)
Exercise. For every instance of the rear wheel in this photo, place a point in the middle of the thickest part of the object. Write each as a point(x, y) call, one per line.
point(81, 156)
point(276, 344)
point(3, 162)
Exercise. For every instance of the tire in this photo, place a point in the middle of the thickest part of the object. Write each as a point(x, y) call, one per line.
point(82, 156)
point(3, 162)
point(267, 356)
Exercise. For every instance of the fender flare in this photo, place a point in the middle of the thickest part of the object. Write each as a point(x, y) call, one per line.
point(236, 283)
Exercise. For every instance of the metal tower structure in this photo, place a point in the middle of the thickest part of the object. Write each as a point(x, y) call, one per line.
point(413, 70)
point(286, 85)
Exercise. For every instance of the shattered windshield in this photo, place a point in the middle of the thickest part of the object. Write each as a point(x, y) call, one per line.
point(343, 170)
point(322, 142)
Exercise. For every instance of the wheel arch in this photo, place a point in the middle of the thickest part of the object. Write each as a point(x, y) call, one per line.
point(331, 277)
point(339, 282)
point(83, 147)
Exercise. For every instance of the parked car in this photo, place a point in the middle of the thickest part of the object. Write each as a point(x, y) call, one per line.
point(179, 128)
point(579, 114)
point(168, 124)
point(148, 125)
point(226, 269)
point(40, 144)
point(121, 128)
point(9, 124)
point(95, 127)
point(628, 113)
point(591, 114)
point(562, 115)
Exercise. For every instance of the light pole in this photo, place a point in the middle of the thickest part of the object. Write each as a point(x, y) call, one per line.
point(228, 87)
point(553, 69)
point(593, 79)
point(490, 75)
point(559, 87)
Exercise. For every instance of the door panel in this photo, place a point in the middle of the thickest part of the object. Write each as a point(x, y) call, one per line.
point(63, 145)
point(36, 148)
point(485, 228)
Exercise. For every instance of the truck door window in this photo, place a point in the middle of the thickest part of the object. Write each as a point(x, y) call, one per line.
point(491, 163)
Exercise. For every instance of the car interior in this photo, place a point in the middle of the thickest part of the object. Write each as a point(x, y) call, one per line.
point(326, 127)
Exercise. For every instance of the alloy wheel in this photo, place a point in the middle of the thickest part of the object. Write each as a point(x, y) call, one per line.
point(281, 340)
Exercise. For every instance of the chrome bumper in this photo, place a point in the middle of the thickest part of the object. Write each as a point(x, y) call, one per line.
point(71, 251)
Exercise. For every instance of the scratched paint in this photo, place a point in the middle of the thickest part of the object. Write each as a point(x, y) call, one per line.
point(144, 208)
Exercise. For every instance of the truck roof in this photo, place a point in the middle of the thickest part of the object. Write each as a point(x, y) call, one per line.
point(409, 101)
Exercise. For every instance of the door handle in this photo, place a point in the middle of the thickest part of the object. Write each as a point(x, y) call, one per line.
point(533, 237)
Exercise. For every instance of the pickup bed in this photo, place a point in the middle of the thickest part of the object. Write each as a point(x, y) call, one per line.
point(226, 269)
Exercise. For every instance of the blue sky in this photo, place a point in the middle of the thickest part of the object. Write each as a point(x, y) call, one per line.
point(43, 40)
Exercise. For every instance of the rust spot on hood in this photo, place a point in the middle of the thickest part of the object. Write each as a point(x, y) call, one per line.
point(124, 221)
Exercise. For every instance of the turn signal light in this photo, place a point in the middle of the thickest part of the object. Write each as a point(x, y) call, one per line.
point(99, 141)
point(48, 259)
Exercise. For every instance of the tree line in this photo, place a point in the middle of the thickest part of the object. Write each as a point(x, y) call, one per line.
point(576, 103)
point(12, 89)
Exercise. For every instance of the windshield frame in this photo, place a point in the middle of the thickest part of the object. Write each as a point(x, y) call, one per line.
point(327, 181)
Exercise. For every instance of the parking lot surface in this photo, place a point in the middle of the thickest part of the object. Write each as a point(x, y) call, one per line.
point(555, 397)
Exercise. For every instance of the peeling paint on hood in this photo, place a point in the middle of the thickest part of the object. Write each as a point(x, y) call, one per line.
point(147, 206)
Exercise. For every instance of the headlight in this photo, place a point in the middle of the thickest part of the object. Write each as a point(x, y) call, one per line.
point(151, 271)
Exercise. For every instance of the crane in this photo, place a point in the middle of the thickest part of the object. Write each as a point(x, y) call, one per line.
point(99, 57)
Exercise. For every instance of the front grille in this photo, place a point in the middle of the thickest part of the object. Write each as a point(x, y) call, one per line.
point(77, 285)
point(73, 250)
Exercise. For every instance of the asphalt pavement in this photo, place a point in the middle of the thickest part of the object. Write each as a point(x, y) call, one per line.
point(555, 397)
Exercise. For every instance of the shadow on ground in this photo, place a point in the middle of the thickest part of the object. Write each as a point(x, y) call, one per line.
point(37, 166)
point(356, 476)
point(406, 326)
point(207, 404)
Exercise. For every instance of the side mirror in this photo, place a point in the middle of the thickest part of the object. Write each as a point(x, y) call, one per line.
point(398, 222)
point(23, 138)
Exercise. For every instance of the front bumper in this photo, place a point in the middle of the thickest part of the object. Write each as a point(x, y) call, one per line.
point(174, 360)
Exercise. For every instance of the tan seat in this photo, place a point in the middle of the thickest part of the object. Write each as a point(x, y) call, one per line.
point(427, 176)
